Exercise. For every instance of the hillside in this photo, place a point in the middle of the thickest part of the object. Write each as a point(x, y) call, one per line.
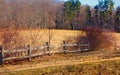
point(36, 37)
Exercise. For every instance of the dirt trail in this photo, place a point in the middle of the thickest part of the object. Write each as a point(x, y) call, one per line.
point(13, 68)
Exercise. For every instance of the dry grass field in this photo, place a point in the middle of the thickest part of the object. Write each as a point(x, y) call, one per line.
point(38, 37)
point(56, 36)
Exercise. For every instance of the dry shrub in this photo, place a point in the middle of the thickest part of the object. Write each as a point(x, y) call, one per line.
point(11, 39)
point(97, 39)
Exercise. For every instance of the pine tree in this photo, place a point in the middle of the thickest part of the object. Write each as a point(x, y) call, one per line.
point(96, 8)
point(70, 10)
point(105, 8)
point(88, 15)
point(117, 19)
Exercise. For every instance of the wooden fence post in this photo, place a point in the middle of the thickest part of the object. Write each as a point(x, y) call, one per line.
point(48, 48)
point(77, 47)
point(64, 47)
point(29, 52)
point(115, 47)
point(88, 46)
point(44, 50)
point(1, 55)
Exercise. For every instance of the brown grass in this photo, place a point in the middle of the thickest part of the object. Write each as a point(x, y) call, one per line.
point(38, 37)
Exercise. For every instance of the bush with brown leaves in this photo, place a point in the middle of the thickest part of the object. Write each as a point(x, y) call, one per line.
point(97, 39)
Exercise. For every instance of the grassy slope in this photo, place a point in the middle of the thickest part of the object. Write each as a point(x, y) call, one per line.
point(93, 68)
point(56, 36)
point(40, 36)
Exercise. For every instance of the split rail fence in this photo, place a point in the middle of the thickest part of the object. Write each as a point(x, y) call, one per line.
point(33, 51)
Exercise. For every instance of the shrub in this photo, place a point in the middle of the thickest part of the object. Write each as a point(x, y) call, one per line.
point(97, 39)
point(11, 39)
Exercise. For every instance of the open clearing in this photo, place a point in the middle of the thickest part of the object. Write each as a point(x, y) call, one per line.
point(38, 37)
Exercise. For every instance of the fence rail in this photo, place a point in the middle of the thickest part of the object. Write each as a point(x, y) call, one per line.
point(34, 51)
point(12, 51)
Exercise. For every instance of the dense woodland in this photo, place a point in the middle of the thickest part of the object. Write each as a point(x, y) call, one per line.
point(34, 14)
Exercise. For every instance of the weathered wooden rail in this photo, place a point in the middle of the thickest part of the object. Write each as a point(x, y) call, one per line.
point(117, 46)
point(33, 51)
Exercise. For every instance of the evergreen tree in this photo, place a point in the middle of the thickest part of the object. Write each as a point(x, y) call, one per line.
point(96, 22)
point(70, 10)
point(117, 19)
point(105, 8)
point(88, 15)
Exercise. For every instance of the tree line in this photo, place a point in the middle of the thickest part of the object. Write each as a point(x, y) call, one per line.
point(30, 14)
